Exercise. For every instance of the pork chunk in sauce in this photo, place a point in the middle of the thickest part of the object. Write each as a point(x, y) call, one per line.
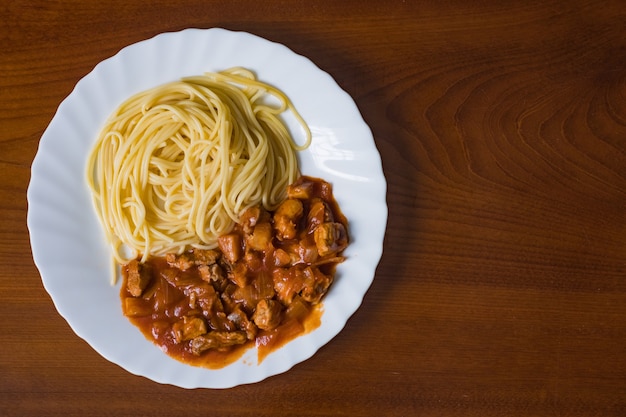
point(267, 314)
point(139, 275)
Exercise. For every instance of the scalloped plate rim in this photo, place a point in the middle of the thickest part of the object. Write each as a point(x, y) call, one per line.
point(360, 165)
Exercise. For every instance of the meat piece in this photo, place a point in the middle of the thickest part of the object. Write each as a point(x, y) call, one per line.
point(205, 297)
point(239, 274)
point(286, 218)
point(188, 328)
point(241, 320)
point(220, 322)
point(211, 273)
point(302, 251)
point(253, 216)
point(287, 283)
point(307, 251)
point(330, 238)
point(253, 260)
point(231, 246)
point(216, 340)
point(267, 314)
point(184, 261)
point(300, 190)
point(138, 277)
point(281, 258)
point(315, 284)
point(205, 256)
point(319, 213)
point(261, 237)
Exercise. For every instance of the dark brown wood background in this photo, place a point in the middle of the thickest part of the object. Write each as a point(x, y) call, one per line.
point(502, 130)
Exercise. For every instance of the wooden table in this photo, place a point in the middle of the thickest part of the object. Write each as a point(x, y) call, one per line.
point(502, 131)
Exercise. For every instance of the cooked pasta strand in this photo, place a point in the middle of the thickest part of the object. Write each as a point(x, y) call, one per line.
point(175, 165)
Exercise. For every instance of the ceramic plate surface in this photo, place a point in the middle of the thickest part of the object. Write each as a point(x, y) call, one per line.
point(68, 244)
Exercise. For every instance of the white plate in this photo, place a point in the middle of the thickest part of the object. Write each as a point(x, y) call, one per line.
point(67, 242)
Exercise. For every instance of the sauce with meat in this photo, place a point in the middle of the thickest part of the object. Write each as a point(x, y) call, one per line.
point(261, 287)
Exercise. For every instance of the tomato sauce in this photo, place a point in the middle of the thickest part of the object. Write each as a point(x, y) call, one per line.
point(263, 287)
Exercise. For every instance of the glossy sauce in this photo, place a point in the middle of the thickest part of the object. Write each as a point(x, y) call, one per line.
point(162, 304)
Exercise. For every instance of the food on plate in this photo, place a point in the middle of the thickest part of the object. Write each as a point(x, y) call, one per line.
point(222, 243)
point(262, 285)
point(175, 165)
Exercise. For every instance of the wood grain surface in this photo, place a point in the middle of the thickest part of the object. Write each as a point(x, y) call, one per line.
point(502, 130)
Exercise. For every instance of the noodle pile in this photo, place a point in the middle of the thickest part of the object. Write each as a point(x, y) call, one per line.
point(175, 165)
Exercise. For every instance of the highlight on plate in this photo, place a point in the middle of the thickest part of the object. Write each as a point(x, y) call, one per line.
point(222, 243)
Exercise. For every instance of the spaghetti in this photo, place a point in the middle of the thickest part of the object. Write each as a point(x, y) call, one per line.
point(175, 165)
